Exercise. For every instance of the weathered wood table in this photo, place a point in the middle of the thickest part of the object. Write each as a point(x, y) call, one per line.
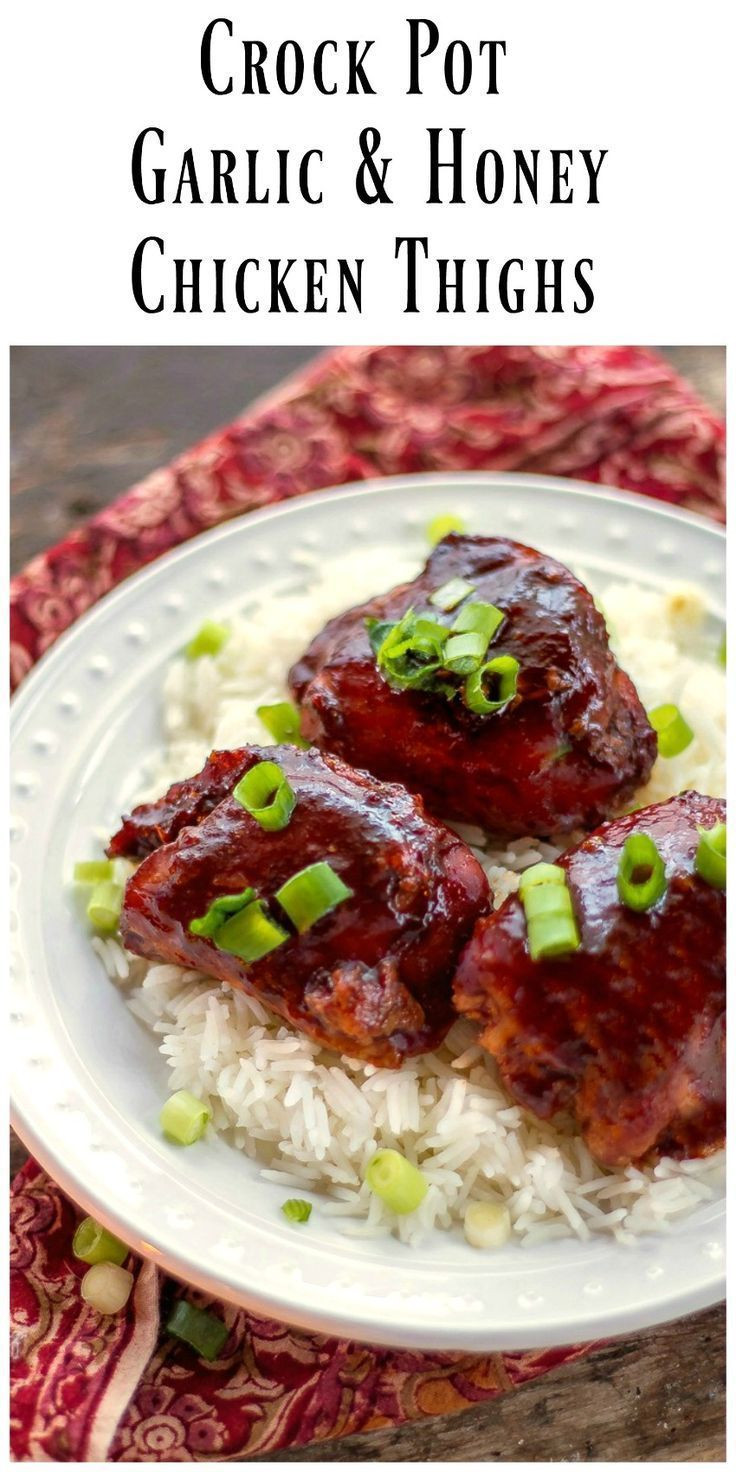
point(85, 424)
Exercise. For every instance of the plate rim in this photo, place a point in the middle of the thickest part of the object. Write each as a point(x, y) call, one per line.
point(344, 492)
point(371, 1327)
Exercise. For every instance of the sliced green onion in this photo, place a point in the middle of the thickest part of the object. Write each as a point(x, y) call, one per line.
point(441, 526)
point(104, 905)
point(266, 794)
point(250, 934)
point(282, 722)
point(710, 855)
point(481, 618)
point(106, 1287)
point(550, 919)
point(296, 1210)
point(673, 733)
point(398, 1183)
point(540, 874)
point(487, 1224)
point(93, 871)
point(378, 629)
point(721, 652)
point(464, 652)
point(450, 594)
point(493, 686)
point(310, 894)
point(220, 910)
point(201, 1331)
point(183, 1118)
point(209, 639)
point(641, 877)
point(411, 651)
point(93, 1243)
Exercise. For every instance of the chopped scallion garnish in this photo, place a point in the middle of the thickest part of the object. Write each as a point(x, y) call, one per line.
point(104, 905)
point(410, 652)
point(541, 874)
point(493, 686)
point(106, 1287)
point(550, 919)
point(183, 1118)
point(282, 722)
point(93, 1243)
point(201, 1331)
point(266, 794)
point(208, 639)
point(296, 1210)
point(396, 1181)
point(673, 733)
point(310, 894)
point(450, 594)
point(220, 910)
point(641, 877)
point(481, 618)
point(710, 855)
point(251, 934)
point(464, 652)
point(93, 871)
point(721, 651)
point(441, 526)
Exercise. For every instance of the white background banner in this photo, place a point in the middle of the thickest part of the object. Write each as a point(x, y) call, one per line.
point(645, 80)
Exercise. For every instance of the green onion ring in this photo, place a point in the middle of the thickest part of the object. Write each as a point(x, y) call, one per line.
point(504, 671)
point(396, 1181)
point(710, 855)
point(251, 934)
point(441, 526)
point(93, 871)
point(104, 906)
point(673, 733)
point(450, 594)
point(220, 910)
point(481, 618)
point(297, 1210)
point(266, 794)
point(203, 1332)
point(93, 1243)
point(550, 918)
point(310, 894)
point(540, 874)
point(209, 639)
point(464, 653)
point(282, 722)
point(183, 1118)
point(641, 877)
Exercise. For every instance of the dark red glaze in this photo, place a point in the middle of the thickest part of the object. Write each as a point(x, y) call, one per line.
point(628, 1033)
point(187, 802)
point(573, 745)
point(372, 978)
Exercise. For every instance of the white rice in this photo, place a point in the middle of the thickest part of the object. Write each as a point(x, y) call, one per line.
point(311, 1119)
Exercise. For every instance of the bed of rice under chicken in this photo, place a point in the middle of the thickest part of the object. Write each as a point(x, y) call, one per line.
point(312, 1120)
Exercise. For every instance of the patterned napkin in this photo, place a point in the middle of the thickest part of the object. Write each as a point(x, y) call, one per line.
point(92, 1389)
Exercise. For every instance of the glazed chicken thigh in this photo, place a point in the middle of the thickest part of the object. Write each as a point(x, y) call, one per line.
point(371, 976)
point(626, 1032)
point(569, 746)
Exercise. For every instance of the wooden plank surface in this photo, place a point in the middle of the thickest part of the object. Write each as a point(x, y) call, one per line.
point(85, 424)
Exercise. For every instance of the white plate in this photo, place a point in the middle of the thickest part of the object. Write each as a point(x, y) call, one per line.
point(87, 1080)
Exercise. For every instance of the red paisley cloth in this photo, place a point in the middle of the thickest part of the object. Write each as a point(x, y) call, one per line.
point(617, 416)
point(86, 1388)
